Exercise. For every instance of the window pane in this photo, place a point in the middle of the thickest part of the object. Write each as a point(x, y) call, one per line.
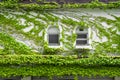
point(81, 29)
point(81, 42)
point(54, 38)
point(81, 35)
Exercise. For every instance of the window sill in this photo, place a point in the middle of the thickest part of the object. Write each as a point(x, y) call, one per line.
point(54, 46)
point(84, 46)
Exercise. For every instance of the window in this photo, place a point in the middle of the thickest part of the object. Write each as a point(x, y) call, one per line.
point(53, 36)
point(82, 36)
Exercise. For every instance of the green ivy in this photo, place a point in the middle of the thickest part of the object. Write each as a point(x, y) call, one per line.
point(48, 5)
point(11, 46)
point(53, 51)
point(59, 60)
point(36, 65)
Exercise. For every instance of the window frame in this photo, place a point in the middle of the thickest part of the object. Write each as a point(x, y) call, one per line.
point(49, 33)
point(80, 31)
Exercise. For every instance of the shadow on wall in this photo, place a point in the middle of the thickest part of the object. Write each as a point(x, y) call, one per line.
point(81, 78)
point(12, 78)
point(61, 78)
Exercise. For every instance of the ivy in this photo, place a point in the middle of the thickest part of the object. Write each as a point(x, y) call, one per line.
point(59, 60)
point(11, 46)
point(20, 64)
point(48, 5)
point(51, 71)
point(52, 51)
point(36, 65)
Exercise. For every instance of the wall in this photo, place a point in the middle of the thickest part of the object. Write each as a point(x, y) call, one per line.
point(31, 27)
point(72, 78)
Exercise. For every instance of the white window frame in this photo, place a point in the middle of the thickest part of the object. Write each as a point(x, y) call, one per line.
point(87, 32)
point(53, 45)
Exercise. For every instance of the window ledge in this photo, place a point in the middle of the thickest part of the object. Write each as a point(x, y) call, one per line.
point(84, 46)
point(54, 46)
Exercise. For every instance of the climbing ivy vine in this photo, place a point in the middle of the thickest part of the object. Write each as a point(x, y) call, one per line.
point(42, 4)
point(10, 46)
point(30, 21)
